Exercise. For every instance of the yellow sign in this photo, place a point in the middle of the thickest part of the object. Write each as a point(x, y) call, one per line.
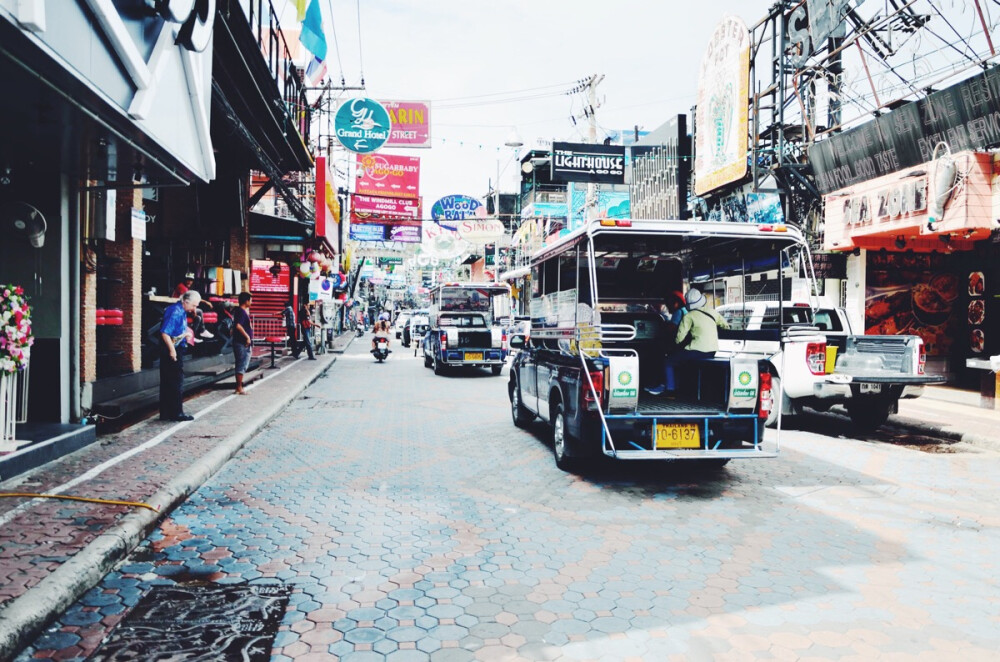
point(722, 140)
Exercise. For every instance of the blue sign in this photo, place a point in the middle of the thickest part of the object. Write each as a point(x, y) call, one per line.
point(362, 125)
point(367, 232)
point(454, 208)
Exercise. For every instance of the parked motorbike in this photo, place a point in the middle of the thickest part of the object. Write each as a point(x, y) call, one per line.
point(381, 351)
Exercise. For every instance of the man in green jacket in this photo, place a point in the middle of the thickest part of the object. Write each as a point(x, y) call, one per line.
point(697, 338)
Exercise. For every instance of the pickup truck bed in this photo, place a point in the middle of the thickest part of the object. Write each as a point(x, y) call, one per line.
point(651, 405)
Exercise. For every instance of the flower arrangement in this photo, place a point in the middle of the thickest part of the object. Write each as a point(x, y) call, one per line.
point(15, 329)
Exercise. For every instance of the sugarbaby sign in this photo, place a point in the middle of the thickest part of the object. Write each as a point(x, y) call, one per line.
point(388, 176)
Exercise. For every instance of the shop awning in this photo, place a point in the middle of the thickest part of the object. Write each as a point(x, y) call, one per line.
point(270, 226)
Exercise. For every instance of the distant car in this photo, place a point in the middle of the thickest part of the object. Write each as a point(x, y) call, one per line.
point(400, 323)
point(414, 329)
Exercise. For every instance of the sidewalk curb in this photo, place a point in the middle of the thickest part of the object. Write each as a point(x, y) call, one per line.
point(24, 618)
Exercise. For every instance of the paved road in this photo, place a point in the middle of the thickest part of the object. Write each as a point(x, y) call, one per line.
point(415, 522)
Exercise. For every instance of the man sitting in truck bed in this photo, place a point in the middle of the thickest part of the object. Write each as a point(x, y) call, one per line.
point(697, 338)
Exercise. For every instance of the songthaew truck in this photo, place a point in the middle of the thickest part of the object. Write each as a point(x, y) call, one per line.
point(464, 326)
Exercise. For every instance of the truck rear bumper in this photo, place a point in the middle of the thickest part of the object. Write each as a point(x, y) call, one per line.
point(839, 387)
point(692, 436)
point(472, 357)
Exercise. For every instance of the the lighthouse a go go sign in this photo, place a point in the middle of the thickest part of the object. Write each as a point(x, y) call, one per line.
point(362, 125)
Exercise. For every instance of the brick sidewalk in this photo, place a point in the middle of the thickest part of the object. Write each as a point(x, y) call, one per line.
point(952, 413)
point(52, 550)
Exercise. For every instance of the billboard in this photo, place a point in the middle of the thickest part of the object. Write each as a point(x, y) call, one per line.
point(367, 232)
point(584, 162)
point(362, 125)
point(411, 123)
point(388, 176)
point(262, 280)
point(456, 208)
point(373, 209)
point(722, 119)
point(410, 234)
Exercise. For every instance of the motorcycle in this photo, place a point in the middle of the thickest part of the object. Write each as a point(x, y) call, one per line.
point(381, 351)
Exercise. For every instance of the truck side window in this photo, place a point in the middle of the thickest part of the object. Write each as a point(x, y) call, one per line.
point(827, 321)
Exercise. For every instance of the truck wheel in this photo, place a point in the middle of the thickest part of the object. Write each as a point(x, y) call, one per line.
point(560, 440)
point(438, 366)
point(772, 417)
point(868, 415)
point(427, 360)
point(495, 369)
point(518, 412)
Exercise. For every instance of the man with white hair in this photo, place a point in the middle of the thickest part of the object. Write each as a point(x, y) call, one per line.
point(173, 334)
point(697, 338)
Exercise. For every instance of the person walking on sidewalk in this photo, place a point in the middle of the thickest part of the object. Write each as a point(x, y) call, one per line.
point(288, 318)
point(305, 328)
point(242, 339)
point(173, 336)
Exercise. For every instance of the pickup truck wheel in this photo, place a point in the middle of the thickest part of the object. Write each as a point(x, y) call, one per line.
point(522, 417)
point(495, 369)
point(772, 417)
point(868, 415)
point(560, 439)
point(427, 360)
point(438, 366)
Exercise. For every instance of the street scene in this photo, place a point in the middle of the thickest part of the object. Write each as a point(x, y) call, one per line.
point(573, 330)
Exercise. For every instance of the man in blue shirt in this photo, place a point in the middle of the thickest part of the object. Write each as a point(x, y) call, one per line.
point(173, 334)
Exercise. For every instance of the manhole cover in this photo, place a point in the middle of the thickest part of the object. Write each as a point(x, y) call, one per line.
point(200, 622)
point(337, 404)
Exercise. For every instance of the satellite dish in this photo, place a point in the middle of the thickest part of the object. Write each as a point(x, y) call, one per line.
point(21, 219)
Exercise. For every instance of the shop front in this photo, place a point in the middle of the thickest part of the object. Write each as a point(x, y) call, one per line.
point(920, 249)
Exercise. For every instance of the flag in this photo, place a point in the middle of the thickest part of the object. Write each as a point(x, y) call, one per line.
point(312, 36)
point(300, 10)
point(315, 71)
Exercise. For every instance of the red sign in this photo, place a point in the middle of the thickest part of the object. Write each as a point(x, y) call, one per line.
point(388, 176)
point(261, 279)
point(378, 208)
point(411, 123)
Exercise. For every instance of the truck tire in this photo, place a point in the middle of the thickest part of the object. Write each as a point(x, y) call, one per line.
point(561, 440)
point(772, 418)
point(495, 369)
point(521, 416)
point(868, 414)
point(427, 361)
point(438, 366)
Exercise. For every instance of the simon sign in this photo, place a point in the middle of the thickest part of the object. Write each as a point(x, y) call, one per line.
point(362, 125)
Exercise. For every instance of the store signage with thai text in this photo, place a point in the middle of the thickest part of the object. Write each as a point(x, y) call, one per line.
point(362, 125)
point(965, 116)
point(722, 117)
point(584, 162)
point(388, 176)
point(262, 280)
point(411, 123)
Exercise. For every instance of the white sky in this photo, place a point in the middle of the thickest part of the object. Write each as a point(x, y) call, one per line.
point(649, 53)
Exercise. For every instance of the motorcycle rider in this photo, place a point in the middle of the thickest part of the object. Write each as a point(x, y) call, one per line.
point(381, 331)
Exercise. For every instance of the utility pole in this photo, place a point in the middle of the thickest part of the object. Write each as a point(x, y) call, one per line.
point(591, 113)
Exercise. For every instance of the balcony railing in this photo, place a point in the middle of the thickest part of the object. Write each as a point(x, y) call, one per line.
point(266, 28)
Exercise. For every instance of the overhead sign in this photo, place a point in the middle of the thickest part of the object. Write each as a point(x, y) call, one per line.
point(480, 229)
point(721, 139)
point(362, 125)
point(369, 208)
point(965, 116)
point(411, 123)
point(408, 234)
point(583, 162)
point(456, 208)
point(388, 176)
point(368, 232)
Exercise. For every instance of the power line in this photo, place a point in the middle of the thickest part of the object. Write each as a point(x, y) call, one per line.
point(336, 44)
point(499, 94)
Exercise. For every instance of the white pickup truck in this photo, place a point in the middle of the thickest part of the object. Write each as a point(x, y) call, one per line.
point(871, 373)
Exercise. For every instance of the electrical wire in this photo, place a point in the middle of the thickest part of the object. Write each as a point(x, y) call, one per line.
point(493, 102)
point(336, 44)
point(361, 53)
point(500, 94)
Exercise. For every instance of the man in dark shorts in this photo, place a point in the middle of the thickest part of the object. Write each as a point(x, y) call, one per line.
point(242, 339)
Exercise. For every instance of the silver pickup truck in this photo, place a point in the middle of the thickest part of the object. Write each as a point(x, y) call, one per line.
point(870, 374)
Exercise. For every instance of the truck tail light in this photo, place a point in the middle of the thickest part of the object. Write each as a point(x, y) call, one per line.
point(816, 357)
point(503, 339)
point(921, 357)
point(589, 401)
point(444, 340)
point(766, 395)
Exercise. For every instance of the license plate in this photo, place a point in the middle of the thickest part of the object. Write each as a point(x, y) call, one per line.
point(473, 356)
point(677, 435)
point(869, 388)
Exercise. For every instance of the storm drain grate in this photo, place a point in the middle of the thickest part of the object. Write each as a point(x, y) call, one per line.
point(338, 404)
point(202, 622)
